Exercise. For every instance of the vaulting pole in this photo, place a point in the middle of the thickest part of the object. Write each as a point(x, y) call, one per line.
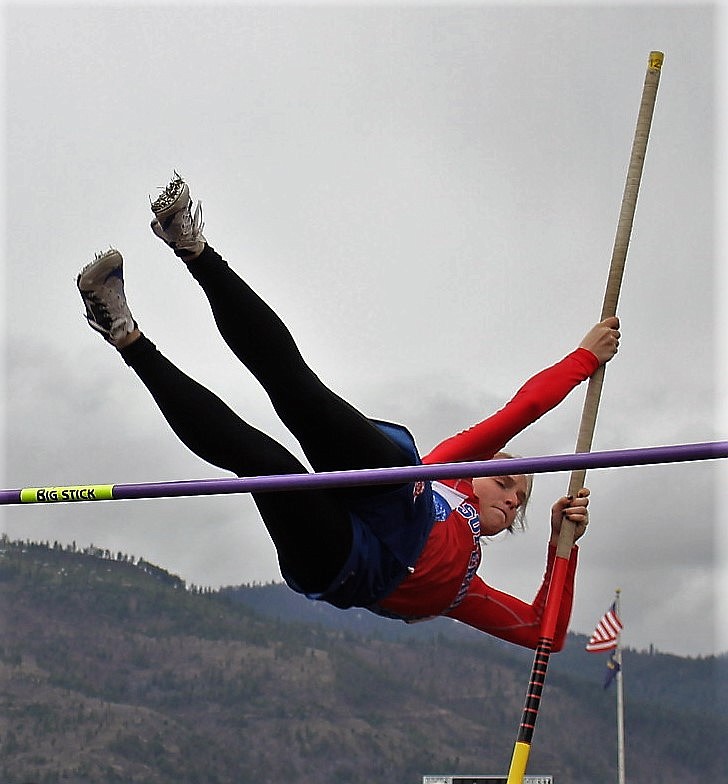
point(522, 747)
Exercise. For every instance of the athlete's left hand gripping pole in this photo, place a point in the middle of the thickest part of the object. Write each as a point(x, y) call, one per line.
point(522, 747)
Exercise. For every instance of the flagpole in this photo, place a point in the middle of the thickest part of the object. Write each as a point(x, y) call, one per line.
point(606, 637)
point(620, 701)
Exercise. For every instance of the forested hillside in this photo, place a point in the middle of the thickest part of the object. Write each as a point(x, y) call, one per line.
point(112, 670)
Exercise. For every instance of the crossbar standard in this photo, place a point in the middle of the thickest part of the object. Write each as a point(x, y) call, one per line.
point(677, 453)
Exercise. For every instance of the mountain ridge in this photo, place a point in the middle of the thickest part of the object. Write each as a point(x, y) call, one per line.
point(113, 670)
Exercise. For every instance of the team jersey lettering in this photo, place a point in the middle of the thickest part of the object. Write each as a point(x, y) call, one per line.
point(470, 514)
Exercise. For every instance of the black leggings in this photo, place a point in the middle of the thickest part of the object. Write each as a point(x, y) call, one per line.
point(311, 529)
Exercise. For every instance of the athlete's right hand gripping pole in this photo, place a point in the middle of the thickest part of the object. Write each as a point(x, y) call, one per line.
point(522, 747)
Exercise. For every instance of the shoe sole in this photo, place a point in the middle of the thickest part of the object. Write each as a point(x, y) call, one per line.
point(180, 202)
point(100, 269)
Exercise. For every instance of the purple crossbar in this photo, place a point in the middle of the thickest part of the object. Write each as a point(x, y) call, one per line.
point(382, 476)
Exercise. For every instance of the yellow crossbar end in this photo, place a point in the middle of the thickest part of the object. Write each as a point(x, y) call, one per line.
point(45, 495)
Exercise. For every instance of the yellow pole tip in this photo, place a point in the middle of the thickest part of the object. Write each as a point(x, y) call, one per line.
point(655, 60)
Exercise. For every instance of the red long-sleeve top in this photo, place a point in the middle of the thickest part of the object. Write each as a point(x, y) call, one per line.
point(444, 581)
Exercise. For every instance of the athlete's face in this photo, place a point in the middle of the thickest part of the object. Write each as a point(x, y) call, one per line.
point(500, 499)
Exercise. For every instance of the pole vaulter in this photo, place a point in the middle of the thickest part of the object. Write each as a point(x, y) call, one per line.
point(522, 747)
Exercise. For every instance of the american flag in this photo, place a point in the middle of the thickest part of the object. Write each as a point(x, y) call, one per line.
point(604, 637)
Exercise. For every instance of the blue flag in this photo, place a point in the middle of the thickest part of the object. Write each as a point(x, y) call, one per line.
point(612, 669)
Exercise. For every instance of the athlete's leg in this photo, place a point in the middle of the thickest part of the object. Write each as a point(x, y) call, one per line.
point(333, 434)
point(310, 530)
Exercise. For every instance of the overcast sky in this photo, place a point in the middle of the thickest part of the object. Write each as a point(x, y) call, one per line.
point(429, 197)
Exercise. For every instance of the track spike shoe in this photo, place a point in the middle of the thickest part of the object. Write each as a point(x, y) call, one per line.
point(174, 221)
point(101, 284)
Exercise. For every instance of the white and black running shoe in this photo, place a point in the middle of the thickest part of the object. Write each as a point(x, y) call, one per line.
point(174, 221)
point(101, 284)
